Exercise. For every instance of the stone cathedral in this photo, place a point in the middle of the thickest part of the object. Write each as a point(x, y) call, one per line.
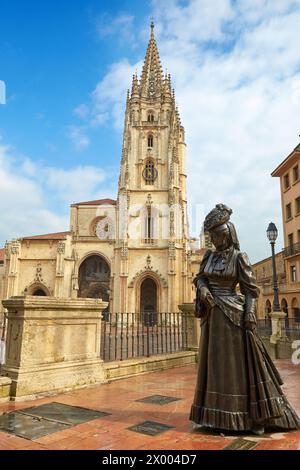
point(134, 251)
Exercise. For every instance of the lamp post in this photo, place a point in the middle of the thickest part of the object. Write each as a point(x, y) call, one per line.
point(272, 233)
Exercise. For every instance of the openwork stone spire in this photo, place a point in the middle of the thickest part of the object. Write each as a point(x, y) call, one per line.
point(152, 74)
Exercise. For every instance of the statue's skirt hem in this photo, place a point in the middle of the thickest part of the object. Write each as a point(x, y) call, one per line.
point(231, 421)
point(238, 386)
point(238, 421)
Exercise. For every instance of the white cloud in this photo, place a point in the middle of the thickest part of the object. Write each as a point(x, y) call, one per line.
point(22, 206)
point(197, 20)
point(254, 11)
point(78, 137)
point(98, 119)
point(241, 116)
point(121, 24)
point(106, 103)
point(35, 199)
point(108, 99)
point(82, 111)
point(109, 96)
point(236, 67)
point(76, 184)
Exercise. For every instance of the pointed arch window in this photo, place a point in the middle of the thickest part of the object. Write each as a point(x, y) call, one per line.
point(150, 116)
point(150, 172)
point(151, 224)
point(150, 141)
point(149, 227)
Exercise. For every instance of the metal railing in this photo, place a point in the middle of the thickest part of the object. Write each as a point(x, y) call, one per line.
point(291, 250)
point(129, 335)
point(292, 328)
point(264, 327)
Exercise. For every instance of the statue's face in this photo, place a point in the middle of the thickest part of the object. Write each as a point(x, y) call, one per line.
point(220, 237)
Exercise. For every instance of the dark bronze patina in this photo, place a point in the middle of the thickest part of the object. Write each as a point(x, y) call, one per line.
point(238, 386)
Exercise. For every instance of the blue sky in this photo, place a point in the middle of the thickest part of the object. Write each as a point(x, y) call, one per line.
point(235, 65)
point(52, 55)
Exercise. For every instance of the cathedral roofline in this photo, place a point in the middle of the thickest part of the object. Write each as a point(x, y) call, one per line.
point(48, 236)
point(98, 202)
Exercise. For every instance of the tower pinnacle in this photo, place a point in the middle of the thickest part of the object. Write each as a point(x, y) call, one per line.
point(152, 27)
point(152, 74)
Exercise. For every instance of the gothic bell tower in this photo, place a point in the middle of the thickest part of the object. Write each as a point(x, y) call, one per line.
point(151, 253)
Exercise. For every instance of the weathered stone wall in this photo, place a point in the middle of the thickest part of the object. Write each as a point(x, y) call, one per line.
point(52, 345)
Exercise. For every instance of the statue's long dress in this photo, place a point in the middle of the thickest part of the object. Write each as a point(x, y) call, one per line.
point(237, 385)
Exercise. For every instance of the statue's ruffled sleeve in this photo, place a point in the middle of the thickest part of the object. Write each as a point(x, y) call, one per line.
point(248, 286)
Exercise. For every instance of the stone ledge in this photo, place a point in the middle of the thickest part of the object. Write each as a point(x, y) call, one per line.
point(5, 384)
point(53, 303)
point(133, 367)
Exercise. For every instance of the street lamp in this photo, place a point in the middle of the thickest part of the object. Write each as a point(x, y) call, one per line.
point(272, 233)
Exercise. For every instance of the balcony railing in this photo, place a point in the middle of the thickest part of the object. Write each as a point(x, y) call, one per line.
point(291, 250)
point(269, 289)
point(149, 241)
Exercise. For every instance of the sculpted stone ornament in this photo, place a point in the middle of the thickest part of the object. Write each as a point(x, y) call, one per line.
point(104, 228)
point(38, 274)
point(238, 386)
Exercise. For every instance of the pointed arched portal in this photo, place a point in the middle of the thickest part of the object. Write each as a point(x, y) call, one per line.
point(39, 293)
point(94, 278)
point(148, 301)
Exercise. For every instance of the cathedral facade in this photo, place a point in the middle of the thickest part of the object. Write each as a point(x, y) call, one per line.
point(134, 251)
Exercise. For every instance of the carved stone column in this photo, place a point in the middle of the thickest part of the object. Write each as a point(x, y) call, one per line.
point(13, 254)
point(59, 281)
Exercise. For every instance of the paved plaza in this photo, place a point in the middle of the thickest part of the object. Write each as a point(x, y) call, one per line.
point(148, 412)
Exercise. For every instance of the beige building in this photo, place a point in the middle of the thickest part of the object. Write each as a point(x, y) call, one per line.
point(134, 251)
point(287, 262)
point(264, 275)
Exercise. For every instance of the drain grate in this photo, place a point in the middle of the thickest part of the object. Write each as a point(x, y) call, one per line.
point(62, 413)
point(150, 428)
point(241, 444)
point(158, 400)
point(29, 427)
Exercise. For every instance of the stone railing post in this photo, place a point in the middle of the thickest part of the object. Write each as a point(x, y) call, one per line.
point(52, 345)
point(278, 328)
point(193, 326)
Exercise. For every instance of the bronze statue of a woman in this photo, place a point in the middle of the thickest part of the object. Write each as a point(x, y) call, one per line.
point(238, 386)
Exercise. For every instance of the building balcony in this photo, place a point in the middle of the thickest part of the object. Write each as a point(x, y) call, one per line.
point(291, 250)
point(150, 241)
point(269, 289)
